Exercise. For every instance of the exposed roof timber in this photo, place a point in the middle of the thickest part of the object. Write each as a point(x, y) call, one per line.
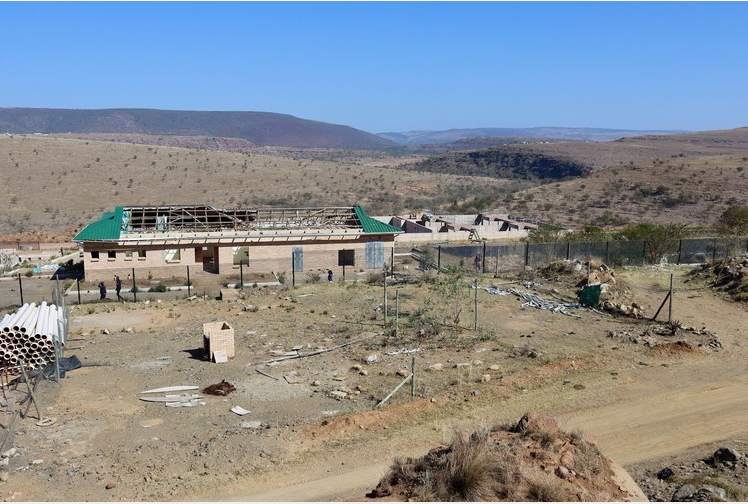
point(207, 218)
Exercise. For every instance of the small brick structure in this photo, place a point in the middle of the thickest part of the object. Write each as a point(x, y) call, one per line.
point(218, 336)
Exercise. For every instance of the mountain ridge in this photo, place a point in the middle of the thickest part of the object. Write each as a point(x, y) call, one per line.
point(260, 128)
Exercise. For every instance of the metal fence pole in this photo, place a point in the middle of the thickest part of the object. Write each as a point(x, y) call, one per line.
point(384, 283)
point(78, 283)
point(293, 272)
point(20, 288)
point(439, 259)
point(412, 376)
point(397, 309)
point(475, 323)
point(188, 282)
point(670, 306)
point(134, 287)
point(483, 263)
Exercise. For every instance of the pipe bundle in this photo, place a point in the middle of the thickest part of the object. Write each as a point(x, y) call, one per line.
point(29, 336)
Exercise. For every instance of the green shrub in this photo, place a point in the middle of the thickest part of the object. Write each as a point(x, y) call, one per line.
point(158, 288)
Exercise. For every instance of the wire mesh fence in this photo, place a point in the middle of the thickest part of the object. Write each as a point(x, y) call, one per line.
point(484, 258)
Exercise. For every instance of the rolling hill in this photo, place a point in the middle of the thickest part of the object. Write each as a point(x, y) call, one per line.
point(423, 137)
point(260, 128)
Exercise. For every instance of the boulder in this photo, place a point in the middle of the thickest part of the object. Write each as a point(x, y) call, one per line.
point(536, 422)
point(725, 454)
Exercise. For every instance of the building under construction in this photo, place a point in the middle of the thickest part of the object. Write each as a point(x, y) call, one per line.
point(160, 241)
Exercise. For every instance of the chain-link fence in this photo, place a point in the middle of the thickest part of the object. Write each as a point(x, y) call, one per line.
point(486, 258)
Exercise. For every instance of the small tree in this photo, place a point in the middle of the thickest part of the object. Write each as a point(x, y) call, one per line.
point(660, 239)
point(733, 226)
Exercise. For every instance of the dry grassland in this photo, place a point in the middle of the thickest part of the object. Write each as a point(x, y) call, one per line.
point(60, 184)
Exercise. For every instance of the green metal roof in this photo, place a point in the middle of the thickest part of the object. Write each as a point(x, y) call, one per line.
point(373, 225)
point(107, 228)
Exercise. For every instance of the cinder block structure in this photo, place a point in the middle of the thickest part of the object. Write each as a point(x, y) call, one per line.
point(160, 241)
point(218, 336)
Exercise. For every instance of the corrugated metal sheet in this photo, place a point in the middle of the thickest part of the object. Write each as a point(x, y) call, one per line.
point(107, 228)
point(372, 225)
point(374, 255)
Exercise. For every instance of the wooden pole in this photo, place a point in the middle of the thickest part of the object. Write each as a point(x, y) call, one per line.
point(78, 283)
point(241, 273)
point(439, 259)
point(293, 271)
point(188, 282)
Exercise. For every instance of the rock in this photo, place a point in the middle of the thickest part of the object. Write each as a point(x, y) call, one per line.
point(105, 331)
point(4, 476)
point(683, 492)
point(665, 473)
point(536, 422)
point(10, 453)
point(372, 359)
point(562, 472)
point(111, 485)
point(725, 454)
point(37, 462)
point(711, 494)
point(4, 462)
point(338, 394)
point(567, 459)
point(462, 365)
point(436, 367)
point(363, 372)
point(252, 424)
point(494, 367)
point(251, 308)
point(485, 378)
point(403, 372)
point(315, 383)
point(356, 367)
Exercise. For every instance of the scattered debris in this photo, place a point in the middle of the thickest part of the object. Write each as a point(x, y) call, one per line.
point(239, 410)
point(219, 389)
point(403, 351)
point(175, 388)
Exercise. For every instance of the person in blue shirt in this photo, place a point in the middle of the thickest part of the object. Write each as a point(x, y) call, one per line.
point(102, 290)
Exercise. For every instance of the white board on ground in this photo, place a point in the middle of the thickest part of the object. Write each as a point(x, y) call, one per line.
point(171, 398)
point(175, 388)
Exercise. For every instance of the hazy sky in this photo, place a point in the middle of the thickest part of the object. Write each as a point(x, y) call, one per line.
point(389, 66)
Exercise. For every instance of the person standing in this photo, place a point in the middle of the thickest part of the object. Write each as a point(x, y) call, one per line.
point(118, 284)
point(329, 275)
point(102, 290)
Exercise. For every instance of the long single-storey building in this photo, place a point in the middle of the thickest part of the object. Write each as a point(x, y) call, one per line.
point(160, 241)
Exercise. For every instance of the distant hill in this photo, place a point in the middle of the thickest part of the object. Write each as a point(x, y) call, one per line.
point(260, 128)
point(422, 137)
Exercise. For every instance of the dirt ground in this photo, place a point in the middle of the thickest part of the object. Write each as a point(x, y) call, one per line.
point(645, 397)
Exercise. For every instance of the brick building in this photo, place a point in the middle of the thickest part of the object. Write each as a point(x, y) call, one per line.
point(160, 241)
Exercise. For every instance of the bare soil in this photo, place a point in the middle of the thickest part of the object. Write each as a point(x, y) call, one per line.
point(640, 395)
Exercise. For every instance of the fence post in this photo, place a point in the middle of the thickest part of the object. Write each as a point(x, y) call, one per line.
point(134, 287)
point(439, 259)
point(397, 309)
point(568, 250)
point(527, 253)
point(670, 306)
point(714, 249)
point(241, 273)
point(20, 288)
point(392, 261)
point(680, 248)
point(293, 272)
point(483, 265)
point(189, 286)
point(384, 282)
point(78, 282)
point(475, 324)
point(412, 376)
point(644, 252)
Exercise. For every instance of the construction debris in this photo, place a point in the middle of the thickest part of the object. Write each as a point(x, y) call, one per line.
point(534, 301)
point(219, 389)
point(30, 335)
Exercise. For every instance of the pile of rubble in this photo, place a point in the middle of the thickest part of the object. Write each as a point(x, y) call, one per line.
point(728, 275)
point(614, 294)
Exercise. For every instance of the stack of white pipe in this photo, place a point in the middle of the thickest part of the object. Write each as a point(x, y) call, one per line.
point(29, 335)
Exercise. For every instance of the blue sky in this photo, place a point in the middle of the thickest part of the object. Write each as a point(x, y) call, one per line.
point(389, 66)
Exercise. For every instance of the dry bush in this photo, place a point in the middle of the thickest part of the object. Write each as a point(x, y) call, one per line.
point(545, 488)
